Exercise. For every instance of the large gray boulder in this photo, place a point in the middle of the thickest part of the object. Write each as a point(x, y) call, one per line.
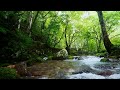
point(61, 55)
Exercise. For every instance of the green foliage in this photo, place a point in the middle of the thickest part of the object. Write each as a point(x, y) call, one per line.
point(102, 54)
point(104, 60)
point(73, 51)
point(115, 50)
point(35, 59)
point(19, 44)
point(50, 57)
point(3, 30)
point(48, 30)
point(8, 73)
point(25, 39)
point(70, 57)
point(4, 64)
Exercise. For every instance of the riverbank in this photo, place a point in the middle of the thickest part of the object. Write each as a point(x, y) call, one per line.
point(88, 67)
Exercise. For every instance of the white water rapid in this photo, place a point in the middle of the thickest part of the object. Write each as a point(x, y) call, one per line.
point(100, 70)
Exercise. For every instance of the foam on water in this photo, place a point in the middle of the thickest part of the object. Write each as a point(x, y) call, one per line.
point(92, 61)
point(114, 76)
point(86, 76)
point(93, 76)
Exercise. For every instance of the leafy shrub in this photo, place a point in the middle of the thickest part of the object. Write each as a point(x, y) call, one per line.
point(38, 59)
point(50, 57)
point(70, 57)
point(4, 64)
point(102, 54)
point(34, 60)
point(73, 51)
point(8, 73)
point(3, 30)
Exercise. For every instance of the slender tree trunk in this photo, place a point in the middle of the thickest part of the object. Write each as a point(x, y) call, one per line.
point(19, 21)
point(68, 49)
point(107, 43)
point(30, 22)
point(67, 46)
point(34, 19)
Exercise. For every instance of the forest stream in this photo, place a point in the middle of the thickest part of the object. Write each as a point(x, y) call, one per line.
point(91, 68)
point(43, 44)
point(88, 67)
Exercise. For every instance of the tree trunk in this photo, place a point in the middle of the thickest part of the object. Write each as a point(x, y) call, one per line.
point(107, 43)
point(67, 46)
point(19, 21)
point(30, 20)
point(68, 49)
point(34, 19)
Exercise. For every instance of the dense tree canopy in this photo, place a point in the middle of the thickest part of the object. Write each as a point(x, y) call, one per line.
point(25, 34)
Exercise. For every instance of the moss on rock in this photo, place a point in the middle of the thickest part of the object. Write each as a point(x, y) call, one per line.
point(104, 60)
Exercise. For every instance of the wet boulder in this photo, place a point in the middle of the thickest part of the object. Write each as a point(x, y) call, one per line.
point(83, 69)
point(105, 66)
point(78, 58)
point(105, 73)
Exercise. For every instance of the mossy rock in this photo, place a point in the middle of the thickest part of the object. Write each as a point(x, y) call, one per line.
point(62, 53)
point(104, 60)
point(8, 73)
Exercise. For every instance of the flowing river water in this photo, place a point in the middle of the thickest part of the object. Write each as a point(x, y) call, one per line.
point(81, 67)
point(90, 67)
